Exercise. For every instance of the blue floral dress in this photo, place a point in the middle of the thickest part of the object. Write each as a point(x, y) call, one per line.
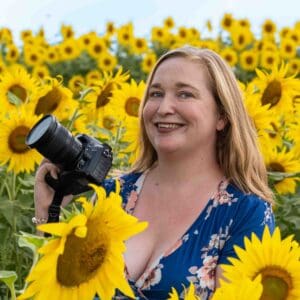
point(224, 222)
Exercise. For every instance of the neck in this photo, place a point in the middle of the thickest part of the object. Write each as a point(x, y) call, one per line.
point(174, 169)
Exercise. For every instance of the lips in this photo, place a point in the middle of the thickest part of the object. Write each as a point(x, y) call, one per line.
point(168, 126)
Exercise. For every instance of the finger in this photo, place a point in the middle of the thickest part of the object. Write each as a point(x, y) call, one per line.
point(54, 172)
point(47, 168)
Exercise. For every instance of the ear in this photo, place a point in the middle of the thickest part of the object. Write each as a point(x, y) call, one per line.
point(221, 122)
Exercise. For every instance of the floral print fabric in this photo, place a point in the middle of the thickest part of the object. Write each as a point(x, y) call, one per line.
point(224, 222)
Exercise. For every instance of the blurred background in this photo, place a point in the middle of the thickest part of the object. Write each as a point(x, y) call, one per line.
point(86, 63)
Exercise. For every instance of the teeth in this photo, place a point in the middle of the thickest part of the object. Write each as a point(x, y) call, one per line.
point(170, 125)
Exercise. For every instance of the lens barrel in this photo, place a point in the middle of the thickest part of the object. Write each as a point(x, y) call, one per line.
point(54, 142)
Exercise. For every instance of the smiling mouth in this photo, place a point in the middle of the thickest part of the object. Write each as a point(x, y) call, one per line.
point(160, 125)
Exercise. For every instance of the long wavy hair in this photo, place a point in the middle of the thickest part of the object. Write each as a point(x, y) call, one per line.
point(236, 146)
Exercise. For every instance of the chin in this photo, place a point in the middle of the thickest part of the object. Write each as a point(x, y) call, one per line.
point(166, 148)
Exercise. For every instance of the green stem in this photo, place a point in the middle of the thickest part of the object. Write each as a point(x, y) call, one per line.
point(72, 120)
point(12, 292)
point(11, 191)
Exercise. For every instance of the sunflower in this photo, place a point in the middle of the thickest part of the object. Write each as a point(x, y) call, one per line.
point(92, 76)
point(40, 72)
point(25, 34)
point(33, 56)
point(241, 38)
point(107, 61)
point(227, 22)
point(103, 90)
point(12, 54)
point(125, 35)
point(86, 39)
point(110, 28)
point(276, 89)
point(96, 47)
point(67, 31)
point(148, 62)
point(139, 46)
point(294, 35)
point(52, 55)
point(85, 256)
point(230, 56)
point(159, 35)
point(269, 59)
point(260, 114)
point(244, 23)
point(183, 34)
point(131, 136)
point(268, 28)
point(76, 84)
point(272, 138)
point(100, 125)
point(294, 66)
point(276, 260)
point(249, 60)
point(16, 81)
point(169, 22)
point(188, 294)
point(69, 49)
point(129, 97)
point(288, 48)
point(13, 150)
point(283, 162)
point(245, 289)
point(53, 98)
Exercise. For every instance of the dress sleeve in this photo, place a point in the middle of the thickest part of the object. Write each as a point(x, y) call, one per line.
point(251, 216)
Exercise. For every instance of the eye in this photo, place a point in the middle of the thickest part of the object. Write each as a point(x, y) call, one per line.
point(155, 94)
point(185, 95)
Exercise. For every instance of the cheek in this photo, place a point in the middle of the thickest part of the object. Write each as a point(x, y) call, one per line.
point(148, 111)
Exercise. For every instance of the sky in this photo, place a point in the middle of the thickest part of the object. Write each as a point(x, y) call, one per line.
point(87, 15)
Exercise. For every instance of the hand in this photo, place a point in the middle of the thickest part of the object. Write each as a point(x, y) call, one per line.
point(43, 193)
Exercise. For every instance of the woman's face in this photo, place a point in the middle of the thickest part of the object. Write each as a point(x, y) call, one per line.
point(180, 114)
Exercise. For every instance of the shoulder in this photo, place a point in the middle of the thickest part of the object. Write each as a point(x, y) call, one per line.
point(249, 205)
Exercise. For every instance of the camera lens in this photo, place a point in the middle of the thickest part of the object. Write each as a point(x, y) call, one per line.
point(54, 142)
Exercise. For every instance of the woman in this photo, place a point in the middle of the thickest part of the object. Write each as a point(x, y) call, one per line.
point(200, 181)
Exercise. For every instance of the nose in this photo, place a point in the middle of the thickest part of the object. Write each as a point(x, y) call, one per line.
point(166, 105)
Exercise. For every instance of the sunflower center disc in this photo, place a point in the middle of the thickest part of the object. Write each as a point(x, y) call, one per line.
point(82, 257)
point(276, 167)
point(272, 93)
point(48, 103)
point(17, 138)
point(104, 96)
point(19, 91)
point(132, 106)
point(276, 284)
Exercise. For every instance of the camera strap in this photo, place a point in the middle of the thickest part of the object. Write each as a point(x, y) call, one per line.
point(54, 209)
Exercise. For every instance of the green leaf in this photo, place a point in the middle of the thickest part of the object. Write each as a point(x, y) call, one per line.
point(13, 99)
point(30, 241)
point(278, 176)
point(9, 278)
point(27, 182)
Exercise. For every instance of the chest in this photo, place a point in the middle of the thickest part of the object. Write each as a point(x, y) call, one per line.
point(169, 218)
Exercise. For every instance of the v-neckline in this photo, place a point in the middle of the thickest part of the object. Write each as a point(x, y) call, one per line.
point(139, 185)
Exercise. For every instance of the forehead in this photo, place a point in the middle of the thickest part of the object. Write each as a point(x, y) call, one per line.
point(181, 69)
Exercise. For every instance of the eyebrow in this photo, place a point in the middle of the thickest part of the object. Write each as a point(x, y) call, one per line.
point(178, 85)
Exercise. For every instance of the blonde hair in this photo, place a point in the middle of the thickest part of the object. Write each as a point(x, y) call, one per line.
point(236, 147)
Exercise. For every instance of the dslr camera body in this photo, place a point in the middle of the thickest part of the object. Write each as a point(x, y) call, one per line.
point(83, 159)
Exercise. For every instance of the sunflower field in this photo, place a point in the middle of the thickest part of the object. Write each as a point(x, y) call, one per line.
point(93, 84)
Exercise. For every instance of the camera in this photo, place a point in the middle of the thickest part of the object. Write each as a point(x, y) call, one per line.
point(83, 159)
